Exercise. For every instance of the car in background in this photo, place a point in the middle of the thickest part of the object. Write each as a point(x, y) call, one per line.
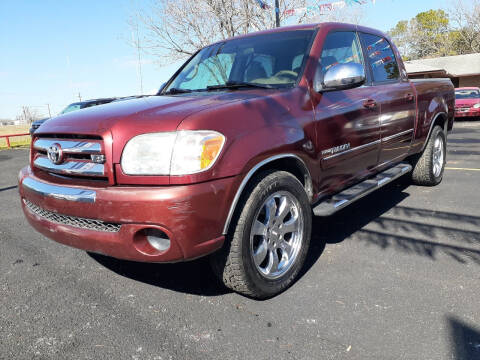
point(73, 107)
point(36, 124)
point(467, 102)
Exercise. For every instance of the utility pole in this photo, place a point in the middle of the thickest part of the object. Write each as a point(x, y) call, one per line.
point(136, 41)
point(277, 14)
point(49, 113)
point(79, 97)
point(25, 116)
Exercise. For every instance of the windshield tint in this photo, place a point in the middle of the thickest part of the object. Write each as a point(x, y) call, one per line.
point(275, 60)
point(467, 94)
point(71, 107)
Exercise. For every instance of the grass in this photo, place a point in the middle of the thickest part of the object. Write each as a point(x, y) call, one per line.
point(14, 141)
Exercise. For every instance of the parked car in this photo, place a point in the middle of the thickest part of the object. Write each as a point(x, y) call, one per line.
point(249, 139)
point(72, 107)
point(467, 102)
point(36, 124)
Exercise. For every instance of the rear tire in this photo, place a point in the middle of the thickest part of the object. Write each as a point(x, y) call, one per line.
point(428, 167)
point(268, 241)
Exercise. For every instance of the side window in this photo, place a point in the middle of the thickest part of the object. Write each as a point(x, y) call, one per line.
point(381, 58)
point(211, 71)
point(340, 48)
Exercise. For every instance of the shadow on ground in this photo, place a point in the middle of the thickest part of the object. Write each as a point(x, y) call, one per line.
point(465, 340)
point(8, 188)
point(193, 277)
point(196, 277)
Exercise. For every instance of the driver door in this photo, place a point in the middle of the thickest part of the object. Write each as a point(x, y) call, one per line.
point(347, 121)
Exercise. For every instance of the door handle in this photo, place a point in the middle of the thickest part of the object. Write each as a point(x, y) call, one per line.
point(370, 104)
point(409, 97)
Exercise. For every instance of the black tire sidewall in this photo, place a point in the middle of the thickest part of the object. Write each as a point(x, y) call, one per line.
point(278, 181)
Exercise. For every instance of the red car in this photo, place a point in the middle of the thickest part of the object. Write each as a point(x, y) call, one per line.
point(467, 102)
point(245, 143)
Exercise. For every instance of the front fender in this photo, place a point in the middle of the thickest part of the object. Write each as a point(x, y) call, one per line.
point(256, 128)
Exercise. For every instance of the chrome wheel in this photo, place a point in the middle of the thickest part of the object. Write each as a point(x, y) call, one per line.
point(438, 156)
point(276, 234)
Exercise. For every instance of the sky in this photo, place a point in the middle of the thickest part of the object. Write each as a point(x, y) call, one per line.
point(53, 52)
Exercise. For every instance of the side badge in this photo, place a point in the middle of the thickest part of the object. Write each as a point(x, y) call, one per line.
point(336, 149)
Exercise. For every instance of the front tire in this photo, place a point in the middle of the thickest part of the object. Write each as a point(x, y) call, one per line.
point(267, 245)
point(428, 167)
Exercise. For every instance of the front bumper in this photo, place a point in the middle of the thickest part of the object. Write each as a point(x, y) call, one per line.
point(192, 216)
point(472, 112)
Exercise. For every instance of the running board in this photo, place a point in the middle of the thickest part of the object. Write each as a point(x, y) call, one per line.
point(358, 191)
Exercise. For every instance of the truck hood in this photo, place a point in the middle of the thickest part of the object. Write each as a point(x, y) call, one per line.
point(466, 102)
point(137, 116)
point(118, 122)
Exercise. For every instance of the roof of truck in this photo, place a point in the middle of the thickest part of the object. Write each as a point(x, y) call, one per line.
point(326, 25)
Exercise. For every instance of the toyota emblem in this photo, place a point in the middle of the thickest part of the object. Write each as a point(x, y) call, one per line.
point(55, 153)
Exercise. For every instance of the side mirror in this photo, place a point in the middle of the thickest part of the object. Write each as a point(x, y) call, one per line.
point(341, 77)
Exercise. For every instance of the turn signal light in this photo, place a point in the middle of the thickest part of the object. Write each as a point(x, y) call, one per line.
point(210, 150)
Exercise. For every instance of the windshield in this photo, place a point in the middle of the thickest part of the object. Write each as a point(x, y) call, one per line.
point(71, 107)
point(270, 60)
point(467, 94)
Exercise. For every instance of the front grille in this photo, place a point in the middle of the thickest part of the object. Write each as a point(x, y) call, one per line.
point(70, 157)
point(78, 222)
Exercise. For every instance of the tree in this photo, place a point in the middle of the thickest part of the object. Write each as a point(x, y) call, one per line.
point(178, 28)
point(428, 34)
point(175, 29)
point(432, 34)
point(401, 34)
point(28, 115)
point(454, 31)
point(465, 15)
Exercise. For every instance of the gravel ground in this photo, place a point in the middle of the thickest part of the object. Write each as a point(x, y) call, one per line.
point(395, 276)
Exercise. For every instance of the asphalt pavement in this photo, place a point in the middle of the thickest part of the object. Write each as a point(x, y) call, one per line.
point(394, 276)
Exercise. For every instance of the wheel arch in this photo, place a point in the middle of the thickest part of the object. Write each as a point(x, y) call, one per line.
point(440, 119)
point(283, 162)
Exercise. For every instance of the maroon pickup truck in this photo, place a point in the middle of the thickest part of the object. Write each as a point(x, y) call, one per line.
point(248, 140)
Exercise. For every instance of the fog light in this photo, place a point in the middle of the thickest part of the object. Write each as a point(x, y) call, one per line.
point(157, 239)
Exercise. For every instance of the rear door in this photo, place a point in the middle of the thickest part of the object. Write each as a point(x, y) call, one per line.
point(347, 121)
point(396, 98)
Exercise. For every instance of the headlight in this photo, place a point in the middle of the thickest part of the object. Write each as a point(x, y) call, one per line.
point(148, 154)
point(476, 106)
point(195, 151)
point(172, 153)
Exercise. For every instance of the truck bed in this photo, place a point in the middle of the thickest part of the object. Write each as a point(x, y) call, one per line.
point(434, 96)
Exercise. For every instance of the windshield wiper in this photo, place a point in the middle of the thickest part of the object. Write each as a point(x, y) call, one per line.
point(177, 91)
point(237, 85)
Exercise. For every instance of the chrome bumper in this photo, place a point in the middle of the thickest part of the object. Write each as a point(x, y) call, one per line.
point(59, 192)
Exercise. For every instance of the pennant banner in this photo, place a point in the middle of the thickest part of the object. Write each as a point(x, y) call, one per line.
point(340, 4)
point(263, 4)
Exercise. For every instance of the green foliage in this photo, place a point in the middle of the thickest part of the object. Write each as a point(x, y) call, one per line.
point(431, 34)
point(432, 22)
point(400, 28)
